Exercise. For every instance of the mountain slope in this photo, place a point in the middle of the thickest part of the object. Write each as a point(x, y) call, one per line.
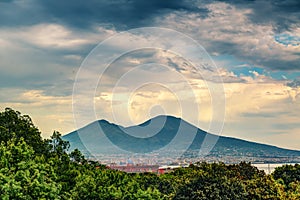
point(165, 133)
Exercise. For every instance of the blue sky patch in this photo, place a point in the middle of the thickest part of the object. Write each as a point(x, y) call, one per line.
point(287, 39)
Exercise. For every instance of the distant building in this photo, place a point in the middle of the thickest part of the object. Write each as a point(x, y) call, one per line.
point(167, 168)
point(129, 168)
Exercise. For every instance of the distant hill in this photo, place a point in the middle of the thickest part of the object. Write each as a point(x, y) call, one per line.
point(166, 134)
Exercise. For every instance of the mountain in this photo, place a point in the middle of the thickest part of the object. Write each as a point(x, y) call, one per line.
point(170, 136)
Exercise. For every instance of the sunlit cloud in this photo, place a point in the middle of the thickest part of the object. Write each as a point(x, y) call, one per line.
point(49, 113)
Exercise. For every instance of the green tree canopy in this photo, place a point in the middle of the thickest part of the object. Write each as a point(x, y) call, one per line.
point(15, 125)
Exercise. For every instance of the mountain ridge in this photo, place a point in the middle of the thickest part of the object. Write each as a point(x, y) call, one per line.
point(160, 131)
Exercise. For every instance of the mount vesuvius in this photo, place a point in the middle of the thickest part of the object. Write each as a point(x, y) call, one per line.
point(167, 133)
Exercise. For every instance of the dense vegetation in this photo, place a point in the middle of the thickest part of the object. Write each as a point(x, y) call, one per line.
point(36, 168)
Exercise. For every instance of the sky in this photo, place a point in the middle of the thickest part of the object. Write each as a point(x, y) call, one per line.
point(253, 47)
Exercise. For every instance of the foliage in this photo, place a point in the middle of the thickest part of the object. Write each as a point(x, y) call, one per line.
point(33, 168)
point(289, 177)
point(288, 173)
point(24, 176)
point(15, 125)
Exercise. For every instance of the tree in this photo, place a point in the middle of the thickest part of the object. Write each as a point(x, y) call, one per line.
point(24, 175)
point(208, 186)
point(288, 173)
point(289, 177)
point(58, 146)
point(15, 125)
point(77, 156)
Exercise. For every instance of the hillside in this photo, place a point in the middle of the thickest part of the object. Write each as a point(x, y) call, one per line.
point(167, 134)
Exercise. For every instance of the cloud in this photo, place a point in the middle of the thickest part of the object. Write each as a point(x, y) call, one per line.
point(48, 112)
point(121, 14)
point(288, 39)
point(228, 30)
point(16, 13)
point(294, 84)
point(246, 30)
point(161, 61)
point(254, 111)
point(53, 36)
point(45, 56)
point(282, 15)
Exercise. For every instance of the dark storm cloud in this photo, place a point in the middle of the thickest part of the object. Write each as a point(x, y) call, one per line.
point(122, 14)
point(282, 14)
point(22, 13)
point(5, 1)
point(134, 13)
